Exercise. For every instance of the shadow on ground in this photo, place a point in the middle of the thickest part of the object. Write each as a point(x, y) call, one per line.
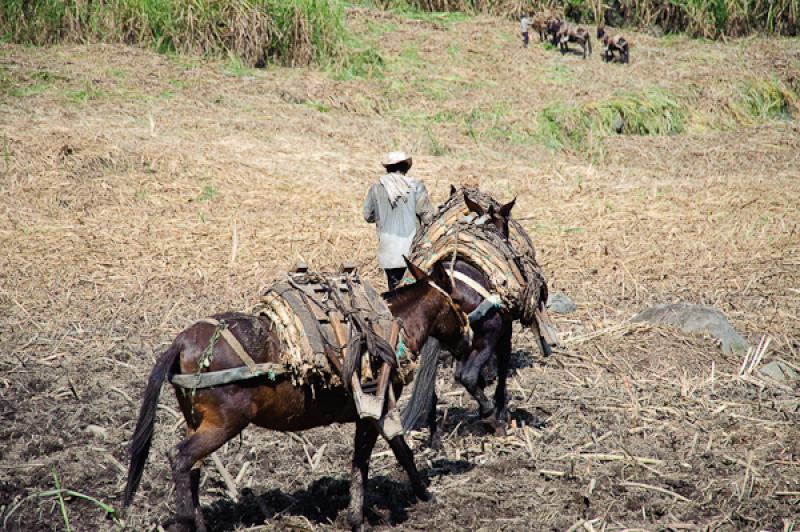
point(326, 500)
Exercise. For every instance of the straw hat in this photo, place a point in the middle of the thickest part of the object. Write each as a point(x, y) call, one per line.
point(396, 157)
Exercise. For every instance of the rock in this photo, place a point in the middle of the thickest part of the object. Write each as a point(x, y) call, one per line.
point(696, 319)
point(560, 303)
point(96, 431)
point(780, 372)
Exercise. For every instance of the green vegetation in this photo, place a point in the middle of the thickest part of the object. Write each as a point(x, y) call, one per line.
point(583, 127)
point(60, 495)
point(706, 18)
point(765, 99)
point(359, 62)
point(85, 94)
point(292, 32)
point(208, 193)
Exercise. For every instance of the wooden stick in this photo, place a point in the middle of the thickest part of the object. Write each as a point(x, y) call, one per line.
point(230, 484)
point(654, 488)
point(603, 457)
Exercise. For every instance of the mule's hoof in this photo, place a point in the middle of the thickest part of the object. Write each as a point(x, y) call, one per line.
point(435, 443)
point(356, 525)
point(426, 496)
point(494, 426)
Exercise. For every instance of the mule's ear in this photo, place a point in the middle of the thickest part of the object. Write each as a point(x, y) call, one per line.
point(415, 270)
point(442, 278)
point(505, 210)
point(453, 190)
point(471, 205)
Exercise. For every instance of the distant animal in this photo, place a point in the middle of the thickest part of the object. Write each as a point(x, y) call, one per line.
point(564, 33)
point(613, 44)
point(540, 22)
point(215, 415)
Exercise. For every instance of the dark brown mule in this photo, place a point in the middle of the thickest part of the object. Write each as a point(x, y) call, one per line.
point(564, 33)
point(540, 23)
point(613, 44)
point(216, 415)
point(491, 336)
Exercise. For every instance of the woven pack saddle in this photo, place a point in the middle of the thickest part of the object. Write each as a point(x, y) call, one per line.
point(518, 286)
point(335, 330)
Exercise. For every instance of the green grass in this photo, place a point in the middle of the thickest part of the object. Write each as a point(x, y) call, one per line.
point(585, 127)
point(359, 61)
point(377, 29)
point(88, 92)
point(435, 147)
point(558, 74)
point(292, 32)
point(208, 193)
point(767, 100)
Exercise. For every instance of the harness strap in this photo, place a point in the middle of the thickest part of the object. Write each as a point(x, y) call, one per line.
point(494, 298)
point(233, 343)
point(489, 303)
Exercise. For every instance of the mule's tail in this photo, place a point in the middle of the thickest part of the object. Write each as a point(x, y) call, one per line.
point(143, 435)
point(416, 411)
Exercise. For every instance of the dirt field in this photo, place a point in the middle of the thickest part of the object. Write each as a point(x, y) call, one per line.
point(126, 176)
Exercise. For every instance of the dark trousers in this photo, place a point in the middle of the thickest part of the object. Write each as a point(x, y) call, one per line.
point(525, 39)
point(394, 276)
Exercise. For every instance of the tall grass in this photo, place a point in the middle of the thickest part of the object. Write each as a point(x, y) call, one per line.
point(292, 32)
point(706, 18)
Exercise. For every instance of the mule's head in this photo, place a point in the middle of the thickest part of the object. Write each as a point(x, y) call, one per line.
point(450, 323)
point(601, 31)
point(497, 219)
point(553, 26)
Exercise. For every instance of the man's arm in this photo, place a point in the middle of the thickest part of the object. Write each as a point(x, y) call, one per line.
point(369, 206)
point(424, 207)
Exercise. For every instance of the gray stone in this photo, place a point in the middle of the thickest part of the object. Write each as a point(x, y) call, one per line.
point(780, 372)
point(97, 431)
point(560, 303)
point(696, 319)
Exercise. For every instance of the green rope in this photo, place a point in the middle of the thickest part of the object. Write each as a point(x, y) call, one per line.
point(401, 349)
point(206, 357)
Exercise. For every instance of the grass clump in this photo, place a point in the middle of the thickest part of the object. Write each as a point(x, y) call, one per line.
point(291, 32)
point(358, 62)
point(765, 100)
point(652, 112)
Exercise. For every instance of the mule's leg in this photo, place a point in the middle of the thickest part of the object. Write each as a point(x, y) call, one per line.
point(194, 478)
point(406, 459)
point(503, 359)
point(366, 434)
point(487, 333)
point(470, 377)
point(205, 440)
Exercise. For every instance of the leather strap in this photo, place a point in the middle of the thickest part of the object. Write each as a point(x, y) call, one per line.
point(474, 285)
point(233, 343)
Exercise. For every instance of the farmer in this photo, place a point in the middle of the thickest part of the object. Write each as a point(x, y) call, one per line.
point(397, 204)
point(524, 27)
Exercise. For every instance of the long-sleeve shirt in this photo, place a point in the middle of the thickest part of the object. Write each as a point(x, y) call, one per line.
point(396, 225)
